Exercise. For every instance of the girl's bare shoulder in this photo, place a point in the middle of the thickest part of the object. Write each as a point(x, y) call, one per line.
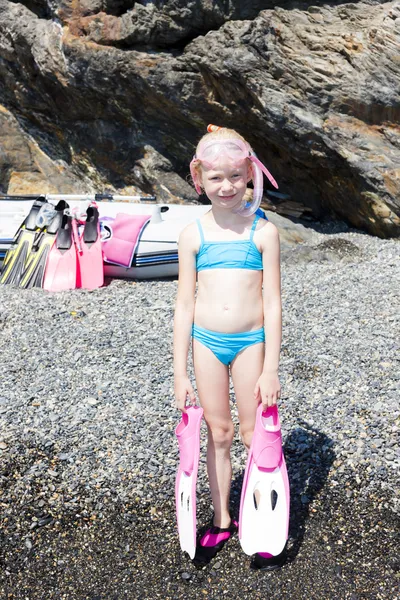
point(189, 237)
point(267, 233)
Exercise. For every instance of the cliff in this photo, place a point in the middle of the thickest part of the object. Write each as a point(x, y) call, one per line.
point(111, 93)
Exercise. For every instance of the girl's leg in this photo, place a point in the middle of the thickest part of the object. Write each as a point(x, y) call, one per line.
point(212, 379)
point(246, 368)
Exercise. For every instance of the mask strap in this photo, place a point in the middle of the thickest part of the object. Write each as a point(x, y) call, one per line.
point(264, 169)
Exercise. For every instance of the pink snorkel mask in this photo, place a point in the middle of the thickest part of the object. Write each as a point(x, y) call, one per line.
point(212, 150)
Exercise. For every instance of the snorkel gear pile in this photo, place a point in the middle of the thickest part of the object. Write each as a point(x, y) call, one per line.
point(211, 150)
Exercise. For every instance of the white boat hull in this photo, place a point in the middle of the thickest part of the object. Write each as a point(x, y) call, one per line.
point(157, 253)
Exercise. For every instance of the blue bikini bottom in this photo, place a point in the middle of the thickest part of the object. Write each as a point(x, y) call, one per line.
point(226, 346)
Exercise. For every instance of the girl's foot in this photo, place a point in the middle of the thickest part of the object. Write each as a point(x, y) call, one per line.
point(212, 542)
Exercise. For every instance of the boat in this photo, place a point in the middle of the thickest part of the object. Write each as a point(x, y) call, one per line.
point(157, 251)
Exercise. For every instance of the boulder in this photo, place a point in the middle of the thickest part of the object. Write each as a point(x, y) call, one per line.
point(129, 88)
point(26, 168)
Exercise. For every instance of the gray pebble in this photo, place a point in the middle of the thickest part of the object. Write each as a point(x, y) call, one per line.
point(28, 544)
point(45, 521)
point(63, 456)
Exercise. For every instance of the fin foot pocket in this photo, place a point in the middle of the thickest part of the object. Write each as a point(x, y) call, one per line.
point(263, 562)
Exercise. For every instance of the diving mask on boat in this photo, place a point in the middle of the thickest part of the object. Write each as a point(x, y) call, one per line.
point(236, 151)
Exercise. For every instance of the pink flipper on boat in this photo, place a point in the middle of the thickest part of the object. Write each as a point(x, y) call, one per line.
point(188, 435)
point(90, 256)
point(265, 499)
point(60, 271)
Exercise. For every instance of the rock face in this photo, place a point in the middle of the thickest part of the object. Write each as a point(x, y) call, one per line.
point(118, 93)
point(27, 169)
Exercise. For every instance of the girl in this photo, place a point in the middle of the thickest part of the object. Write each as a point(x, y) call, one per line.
point(235, 320)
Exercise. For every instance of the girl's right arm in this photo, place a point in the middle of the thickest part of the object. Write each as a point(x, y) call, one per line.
point(184, 316)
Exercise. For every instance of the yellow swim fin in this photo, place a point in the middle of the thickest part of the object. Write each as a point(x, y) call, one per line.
point(17, 255)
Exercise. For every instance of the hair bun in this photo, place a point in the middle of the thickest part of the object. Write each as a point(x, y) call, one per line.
point(213, 128)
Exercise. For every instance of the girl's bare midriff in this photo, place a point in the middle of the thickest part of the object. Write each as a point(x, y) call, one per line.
point(229, 300)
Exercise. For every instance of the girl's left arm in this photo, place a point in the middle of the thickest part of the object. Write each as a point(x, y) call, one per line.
point(268, 387)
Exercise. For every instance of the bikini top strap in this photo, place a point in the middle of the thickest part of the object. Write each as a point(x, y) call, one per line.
point(254, 226)
point(200, 231)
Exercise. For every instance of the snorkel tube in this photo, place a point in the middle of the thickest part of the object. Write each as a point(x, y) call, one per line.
point(258, 169)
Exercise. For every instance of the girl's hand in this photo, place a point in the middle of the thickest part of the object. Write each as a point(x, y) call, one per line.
point(268, 389)
point(183, 391)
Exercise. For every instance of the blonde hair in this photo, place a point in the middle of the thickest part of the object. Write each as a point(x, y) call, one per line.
point(221, 132)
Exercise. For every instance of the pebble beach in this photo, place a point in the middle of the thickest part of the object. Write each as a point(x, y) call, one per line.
point(88, 456)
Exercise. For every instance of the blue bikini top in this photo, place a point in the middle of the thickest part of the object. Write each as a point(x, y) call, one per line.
point(231, 254)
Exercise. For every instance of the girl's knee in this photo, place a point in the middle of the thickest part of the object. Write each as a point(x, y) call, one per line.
point(246, 436)
point(221, 435)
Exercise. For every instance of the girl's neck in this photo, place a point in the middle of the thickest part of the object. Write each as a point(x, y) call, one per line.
point(225, 218)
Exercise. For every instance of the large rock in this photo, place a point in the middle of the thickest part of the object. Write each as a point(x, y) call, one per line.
point(27, 168)
point(320, 91)
point(315, 91)
point(160, 24)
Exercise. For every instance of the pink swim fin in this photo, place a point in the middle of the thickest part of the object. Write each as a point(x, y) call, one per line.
point(60, 271)
point(265, 499)
point(188, 435)
point(90, 254)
